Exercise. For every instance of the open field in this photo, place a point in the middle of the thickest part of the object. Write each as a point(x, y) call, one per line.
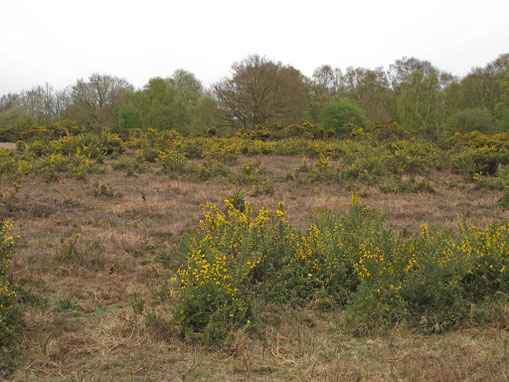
point(87, 259)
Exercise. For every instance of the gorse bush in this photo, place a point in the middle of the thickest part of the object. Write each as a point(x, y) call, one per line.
point(171, 161)
point(479, 153)
point(382, 158)
point(52, 166)
point(229, 254)
point(503, 181)
point(9, 310)
point(433, 280)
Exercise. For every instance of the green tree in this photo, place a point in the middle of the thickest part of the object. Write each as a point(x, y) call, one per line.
point(323, 86)
point(421, 101)
point(370, 89)
point(168, 103)
point(206, 114)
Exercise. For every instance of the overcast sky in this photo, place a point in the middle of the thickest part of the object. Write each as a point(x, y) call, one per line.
point(60, 41)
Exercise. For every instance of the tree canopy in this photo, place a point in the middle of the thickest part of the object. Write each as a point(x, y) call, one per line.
point(260, 91)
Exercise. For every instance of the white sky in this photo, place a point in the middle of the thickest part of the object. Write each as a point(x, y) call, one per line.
point(60, 41)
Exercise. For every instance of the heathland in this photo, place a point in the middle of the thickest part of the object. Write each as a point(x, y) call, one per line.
point(276, 254)
point(177, 233)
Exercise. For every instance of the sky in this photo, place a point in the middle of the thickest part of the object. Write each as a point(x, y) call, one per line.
point(60, 41)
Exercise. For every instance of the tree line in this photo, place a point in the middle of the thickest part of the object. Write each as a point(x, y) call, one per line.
point(258, 91)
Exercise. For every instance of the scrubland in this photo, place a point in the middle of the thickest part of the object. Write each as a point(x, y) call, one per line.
point(150, 256)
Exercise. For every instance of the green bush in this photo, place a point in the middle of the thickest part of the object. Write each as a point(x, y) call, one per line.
point(13, 124)
point(342, 116)
point(465, 121)
point(129, 118)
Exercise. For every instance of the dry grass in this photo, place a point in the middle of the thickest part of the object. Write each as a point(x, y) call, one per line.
point(8, 146)
point(82, 326)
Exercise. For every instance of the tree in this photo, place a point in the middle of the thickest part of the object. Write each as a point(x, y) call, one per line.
point(324, 85)
point(402, 69)
point(370, 89)
point(97, 100)
point(420, 100)
point(168, 103)
point(261, 91)
point(419, 89)
point(188, 87)
point(341, 115)
point(207, 114)
point(41, 102)
point(187, 91)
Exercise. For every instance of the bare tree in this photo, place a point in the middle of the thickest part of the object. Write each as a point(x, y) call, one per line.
point(41, 102)
point(97, 100)
point(261, 91)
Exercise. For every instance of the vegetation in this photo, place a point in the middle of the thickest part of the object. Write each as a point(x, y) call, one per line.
point(342, 116)
point(412, 92)
point(9, 311)
point(175, 232)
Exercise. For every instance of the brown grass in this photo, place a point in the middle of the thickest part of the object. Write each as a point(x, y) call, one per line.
point(8, 146)
point(82, 326)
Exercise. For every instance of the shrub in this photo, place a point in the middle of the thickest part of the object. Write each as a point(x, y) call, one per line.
point(210, 169)
point(342, 116)
point(52, 166)
point(9, 309)
point(415, 156)
point(305, 130)
point(250, 172)
point(503, 202)
point(213, 293)
point(431, 279)
point(503, 180)
point(468, 120)
point(172, 161)
point(265, 187)
point(129, 118)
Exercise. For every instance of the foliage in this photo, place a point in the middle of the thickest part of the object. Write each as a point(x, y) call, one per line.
point(212, 294)
point(307, 130)
point(430, 279)
point(341, 116)
point(172, 161)
point(129, 118)
point(265, 187)
point(469, 120)
point(97, 100)
point(420, 101)
point(52, 166)
point(9, 303)
point(480, 153)
point(261, 91)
